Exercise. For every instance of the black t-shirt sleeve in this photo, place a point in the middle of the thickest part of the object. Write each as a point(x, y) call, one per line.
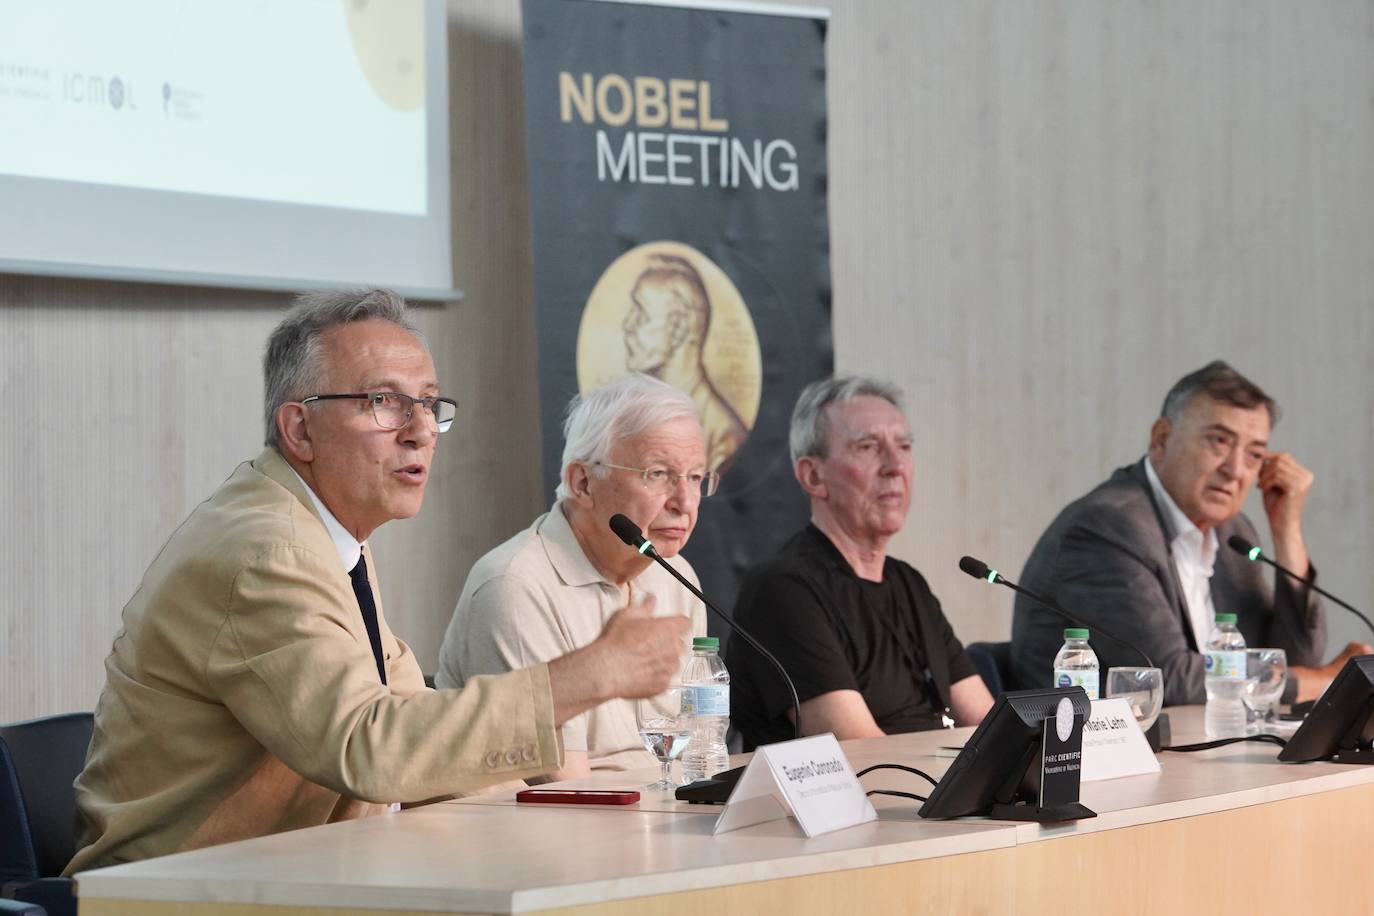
point(785, 614)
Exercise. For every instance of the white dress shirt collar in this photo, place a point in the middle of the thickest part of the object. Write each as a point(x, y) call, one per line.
point(349, 547)
point(1194, 557)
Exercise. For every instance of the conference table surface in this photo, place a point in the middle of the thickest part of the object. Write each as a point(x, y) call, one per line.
point(1205, 820)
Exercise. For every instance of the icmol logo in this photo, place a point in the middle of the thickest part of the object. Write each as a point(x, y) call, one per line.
point(1064, 681)
point(1208, 662)
point(89, 89)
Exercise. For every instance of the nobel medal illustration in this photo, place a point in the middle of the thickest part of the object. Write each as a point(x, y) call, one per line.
point(389, 41)
point(666, 310)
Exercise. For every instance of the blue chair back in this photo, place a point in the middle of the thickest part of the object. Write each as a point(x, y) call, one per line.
point(39, 760)
point(993, 661)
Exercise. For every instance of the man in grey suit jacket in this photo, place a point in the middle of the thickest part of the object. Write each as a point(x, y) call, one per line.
point(1144, 554)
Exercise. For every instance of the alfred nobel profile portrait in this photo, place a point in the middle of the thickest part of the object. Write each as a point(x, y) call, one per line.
point(665, 331)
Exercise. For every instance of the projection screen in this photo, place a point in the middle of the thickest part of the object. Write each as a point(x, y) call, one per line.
point(277, 145)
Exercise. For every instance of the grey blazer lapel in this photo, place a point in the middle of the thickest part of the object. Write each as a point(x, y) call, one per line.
point(1163, 551)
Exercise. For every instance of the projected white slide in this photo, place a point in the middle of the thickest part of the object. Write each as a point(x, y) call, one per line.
point(305, 105)
point(171, 101)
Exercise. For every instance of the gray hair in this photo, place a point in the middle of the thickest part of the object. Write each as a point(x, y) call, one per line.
point(1219, 381)
point(294, 365)
point(621, 410)
point(810, 429)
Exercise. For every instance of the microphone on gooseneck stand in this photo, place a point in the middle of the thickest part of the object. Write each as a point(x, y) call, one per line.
point(716, 789)
point(1159, 733)
point(1241, 546)
point(980, 570)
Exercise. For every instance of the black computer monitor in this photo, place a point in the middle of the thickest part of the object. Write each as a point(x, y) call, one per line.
point(998, 771)
point(1340, 726)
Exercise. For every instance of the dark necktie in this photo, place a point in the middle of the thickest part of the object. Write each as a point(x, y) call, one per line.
point(363, 590)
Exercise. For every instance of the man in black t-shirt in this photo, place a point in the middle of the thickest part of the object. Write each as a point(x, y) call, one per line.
point(860, 633)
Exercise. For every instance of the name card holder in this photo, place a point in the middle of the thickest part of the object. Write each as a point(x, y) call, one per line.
point(809, 778)
point(1113, 744)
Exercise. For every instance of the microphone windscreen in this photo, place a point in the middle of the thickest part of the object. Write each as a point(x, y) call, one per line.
point(1240, 544)
point(626, 530)
point(975, 568)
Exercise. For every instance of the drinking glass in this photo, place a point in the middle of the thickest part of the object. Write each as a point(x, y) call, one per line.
point(1142, 688)
point(1266, 673)
point(665, 731)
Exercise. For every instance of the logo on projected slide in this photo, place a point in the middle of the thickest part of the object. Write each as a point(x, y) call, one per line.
point(89, 89)
point(666, 310)
point(25, 82)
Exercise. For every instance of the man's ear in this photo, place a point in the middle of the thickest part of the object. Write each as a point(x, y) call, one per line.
point(579, 483)
point(1160, 431)
point(811, 475)
point(293, 433)
point(679, 328)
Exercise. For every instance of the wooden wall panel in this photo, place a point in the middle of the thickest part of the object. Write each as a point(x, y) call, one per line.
point(1042, 214)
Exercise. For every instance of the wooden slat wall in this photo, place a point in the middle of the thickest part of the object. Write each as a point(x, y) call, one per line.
point(1042, 214)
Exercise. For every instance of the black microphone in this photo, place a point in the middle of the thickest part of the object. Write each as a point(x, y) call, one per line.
point(980, 570)
point(716, 789)
point(1241, 546)
point(629, 532)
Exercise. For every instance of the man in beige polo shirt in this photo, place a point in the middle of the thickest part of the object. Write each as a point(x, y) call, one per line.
point(633, 447)
point(255, 686)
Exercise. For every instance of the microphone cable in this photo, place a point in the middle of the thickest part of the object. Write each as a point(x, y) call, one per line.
point(897, 766)
point(629, 532)
point(980, 570)
point(1243, 547)
point(1222, 742)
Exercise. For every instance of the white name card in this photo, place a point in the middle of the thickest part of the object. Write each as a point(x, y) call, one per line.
point(1113, 744)
point(809, 778)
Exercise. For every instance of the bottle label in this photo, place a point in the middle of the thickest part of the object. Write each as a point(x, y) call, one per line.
point(706, 699)
point(1225, 663)
point(1077, 677)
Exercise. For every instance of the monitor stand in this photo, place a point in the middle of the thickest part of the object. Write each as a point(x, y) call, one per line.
point(713, 791)
point(1360, 755)
point(1027, 811)
point(1019, 797)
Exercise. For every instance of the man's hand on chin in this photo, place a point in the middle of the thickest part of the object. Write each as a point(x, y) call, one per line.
point(1284, 484)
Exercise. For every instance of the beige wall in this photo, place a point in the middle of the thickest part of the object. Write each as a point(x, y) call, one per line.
point(1042, 214)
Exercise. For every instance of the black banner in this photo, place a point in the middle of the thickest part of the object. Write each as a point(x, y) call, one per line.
point(677, 188)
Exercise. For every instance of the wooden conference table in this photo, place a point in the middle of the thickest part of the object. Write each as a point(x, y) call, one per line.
point(1226, 830)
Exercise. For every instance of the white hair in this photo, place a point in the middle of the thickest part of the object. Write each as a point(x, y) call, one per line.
point(621, 410)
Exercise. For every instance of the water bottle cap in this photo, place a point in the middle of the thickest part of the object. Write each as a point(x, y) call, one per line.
point(1075, 633)
point(705, 642)
point(1226, 618)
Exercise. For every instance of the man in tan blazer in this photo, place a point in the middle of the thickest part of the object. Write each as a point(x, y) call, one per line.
point(255, 686)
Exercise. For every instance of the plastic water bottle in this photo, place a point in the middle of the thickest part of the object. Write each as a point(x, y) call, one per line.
point(1076, 664)
point(706, 698)
point(1224, 661)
